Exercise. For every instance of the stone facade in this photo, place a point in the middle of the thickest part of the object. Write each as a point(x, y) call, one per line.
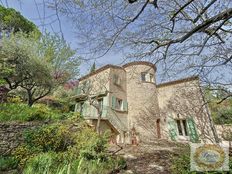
point(11, 134)
point(136, 109)
point(184, 99)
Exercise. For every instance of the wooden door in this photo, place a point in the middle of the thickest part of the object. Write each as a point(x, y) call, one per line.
point(158, 128)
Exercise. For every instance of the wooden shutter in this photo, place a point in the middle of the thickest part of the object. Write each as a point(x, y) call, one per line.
point(172, 128)
point(192, 130)
point(113, 102)
point(125, 105)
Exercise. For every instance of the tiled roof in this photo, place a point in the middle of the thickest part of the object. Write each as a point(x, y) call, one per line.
point(140, 63)
point(118, 67)
point(99, 70)
point(188, 79)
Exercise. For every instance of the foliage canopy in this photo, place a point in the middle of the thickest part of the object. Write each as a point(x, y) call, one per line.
point(13, 21)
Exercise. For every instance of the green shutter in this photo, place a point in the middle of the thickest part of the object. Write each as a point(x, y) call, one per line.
point(113, 102)
point(192, 130)
point(77, 107)
point(125, 105)
point(172, 128)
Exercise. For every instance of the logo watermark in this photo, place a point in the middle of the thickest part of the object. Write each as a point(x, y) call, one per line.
point(209, 157)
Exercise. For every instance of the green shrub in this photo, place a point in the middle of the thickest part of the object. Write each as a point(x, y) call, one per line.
point(14, 99)
point(8, 163)
point(223, 116)
point(56, 163)
point(23, 153)
point(55, 137)
point(22, 112)
point(87, 154)
point(181, 163)
point(61, 148)
point(42, 163)
point(90, 145)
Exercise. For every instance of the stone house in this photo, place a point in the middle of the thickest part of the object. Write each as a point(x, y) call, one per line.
point(136, 109)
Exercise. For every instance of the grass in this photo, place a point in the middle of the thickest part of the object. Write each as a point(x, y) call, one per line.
point(51, 163)
point(8, 163)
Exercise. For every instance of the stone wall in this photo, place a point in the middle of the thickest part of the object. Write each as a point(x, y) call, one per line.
point(11, 134)
point(143, 108)
point(182, 99)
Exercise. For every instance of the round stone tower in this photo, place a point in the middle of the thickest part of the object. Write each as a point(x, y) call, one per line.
point(144, 121)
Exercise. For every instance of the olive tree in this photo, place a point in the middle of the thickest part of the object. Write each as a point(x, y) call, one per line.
point(28, 71)
point(34, 64)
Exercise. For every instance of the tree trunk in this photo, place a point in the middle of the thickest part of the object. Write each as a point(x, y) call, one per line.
point(98, 123)
point(30, 101)
point(3, 94)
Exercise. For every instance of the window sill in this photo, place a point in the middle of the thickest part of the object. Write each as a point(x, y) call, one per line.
point(120, 111)
point(116, 84)
point(183, 138)
point(148, 82)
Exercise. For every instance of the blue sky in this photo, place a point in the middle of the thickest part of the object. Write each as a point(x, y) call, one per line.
point(45, 19)
point(35, 11)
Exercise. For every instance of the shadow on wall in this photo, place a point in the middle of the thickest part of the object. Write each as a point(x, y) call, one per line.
point(187, 104)
point(146, 124)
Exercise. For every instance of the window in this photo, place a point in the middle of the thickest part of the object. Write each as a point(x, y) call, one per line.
point(182, 127)
point(185, 127)
point(151, 77)
point(118, 105)
point(81, 107)
point(100, 104)
point(143, 77)
point(179, 127)
point(147, 77)
point(116, 80)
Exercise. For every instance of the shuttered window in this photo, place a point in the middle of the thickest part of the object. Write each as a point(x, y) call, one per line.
point(125, 106)
point(179, 127)
point(143, 77)
point(182, 127)
point(185, 127)
point(172, 127)
point(113, 102)
point(192, 130)
point(119, 104)
point(147, 77)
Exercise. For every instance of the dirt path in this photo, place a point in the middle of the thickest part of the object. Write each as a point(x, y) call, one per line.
point(153, 158)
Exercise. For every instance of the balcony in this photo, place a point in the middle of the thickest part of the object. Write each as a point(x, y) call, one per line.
point(89, 112)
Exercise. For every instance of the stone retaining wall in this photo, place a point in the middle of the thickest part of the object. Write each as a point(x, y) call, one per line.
point(11, 134)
